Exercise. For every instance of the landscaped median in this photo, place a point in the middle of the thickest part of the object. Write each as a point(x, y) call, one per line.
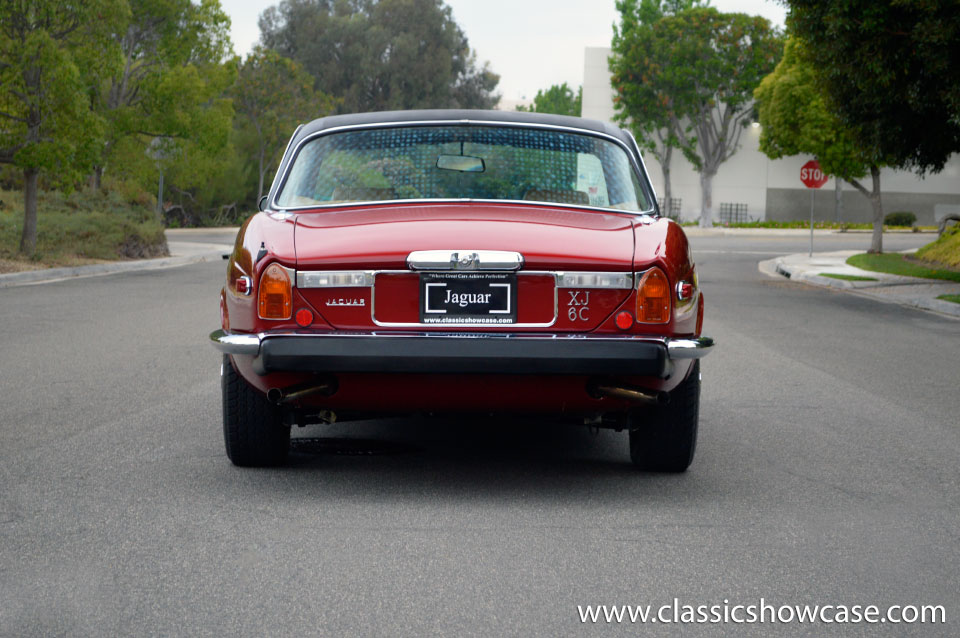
point(901, 280)
point(903, 266)
point(939, 259)
point(79, 229)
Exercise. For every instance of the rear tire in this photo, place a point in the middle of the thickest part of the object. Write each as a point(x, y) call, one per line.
point(253, 430)
point(664, 438)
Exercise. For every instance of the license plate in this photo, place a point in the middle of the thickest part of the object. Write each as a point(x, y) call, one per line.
point(457, 298)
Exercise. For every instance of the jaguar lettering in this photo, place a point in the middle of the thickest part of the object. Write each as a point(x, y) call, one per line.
point(462, 299)
point(356, 301)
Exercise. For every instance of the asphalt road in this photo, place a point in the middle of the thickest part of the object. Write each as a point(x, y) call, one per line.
point(827, 472)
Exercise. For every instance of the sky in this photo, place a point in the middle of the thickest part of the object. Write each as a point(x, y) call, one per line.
point(531, 44)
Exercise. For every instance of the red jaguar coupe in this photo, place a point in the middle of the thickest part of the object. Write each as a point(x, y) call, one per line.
point(485, 262)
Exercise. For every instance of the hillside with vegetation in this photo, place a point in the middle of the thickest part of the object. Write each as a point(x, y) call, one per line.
point(945, 250)
point(81, 228)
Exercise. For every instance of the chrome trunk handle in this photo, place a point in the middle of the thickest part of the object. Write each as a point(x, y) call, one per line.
point(464, 260)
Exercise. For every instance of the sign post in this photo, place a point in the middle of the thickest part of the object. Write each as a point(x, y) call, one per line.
point(160, 149)
point(813, 178)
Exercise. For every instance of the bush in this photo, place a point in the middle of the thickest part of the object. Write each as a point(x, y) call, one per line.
point(130, 192)
point(83, 225)
point(945, 250)
point(900, 218)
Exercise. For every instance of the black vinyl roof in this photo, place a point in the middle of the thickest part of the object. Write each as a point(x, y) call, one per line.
point(453, 115)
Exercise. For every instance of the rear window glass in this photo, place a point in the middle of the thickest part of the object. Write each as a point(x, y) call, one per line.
point(462, 162)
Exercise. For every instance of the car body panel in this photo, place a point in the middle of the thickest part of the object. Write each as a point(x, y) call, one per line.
point(383, 236)
point(378, 238)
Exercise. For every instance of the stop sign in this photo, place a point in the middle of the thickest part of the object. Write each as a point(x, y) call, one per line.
point(811, 175)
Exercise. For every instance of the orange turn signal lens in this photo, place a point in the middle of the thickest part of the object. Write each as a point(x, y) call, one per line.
point(275, 297)
point(653, 297)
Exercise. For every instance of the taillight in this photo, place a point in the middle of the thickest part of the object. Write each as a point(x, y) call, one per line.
point(653, 297)
point(304, 318)
point(275, 295)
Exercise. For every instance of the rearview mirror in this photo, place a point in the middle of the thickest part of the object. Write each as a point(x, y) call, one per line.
point(263, 203)
point(462, 163)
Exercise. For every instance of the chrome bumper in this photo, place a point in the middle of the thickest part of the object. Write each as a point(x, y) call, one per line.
point(459, 353)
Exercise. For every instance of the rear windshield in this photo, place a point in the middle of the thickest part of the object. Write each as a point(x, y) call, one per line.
point(462, 162)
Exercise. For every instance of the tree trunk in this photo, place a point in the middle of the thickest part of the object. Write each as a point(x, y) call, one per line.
point(706, 199)
point(28, 241)
point(876, 242)
point(665, 168)
point(838, 198)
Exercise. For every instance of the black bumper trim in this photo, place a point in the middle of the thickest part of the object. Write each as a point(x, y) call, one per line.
point(462, 355)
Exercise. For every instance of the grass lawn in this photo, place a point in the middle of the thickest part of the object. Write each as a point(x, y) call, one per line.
point(78, 229)
point(897, 264)
point(953, 298)
point(833, 275)
point(945, 250)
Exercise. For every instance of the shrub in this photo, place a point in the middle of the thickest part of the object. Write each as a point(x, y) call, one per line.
point(900, 218)
point(945, 250)
point(84, 225)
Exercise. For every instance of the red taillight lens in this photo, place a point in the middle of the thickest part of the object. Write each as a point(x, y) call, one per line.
point(624, 320)
point(304, 317)
point(653, 297)
point(275, 296)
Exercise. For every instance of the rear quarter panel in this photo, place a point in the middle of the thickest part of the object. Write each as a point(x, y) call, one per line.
point(664, 244)
point(274, 234)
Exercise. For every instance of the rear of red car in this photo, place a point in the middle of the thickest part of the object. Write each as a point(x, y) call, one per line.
point(430, 263)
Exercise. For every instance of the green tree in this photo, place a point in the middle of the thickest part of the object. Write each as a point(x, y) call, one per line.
point(709, 63)
point(46, 51)
point(171, 81)
point(650, 113)
point(272, 94)
point(796, 118)
point(381, 54)
point(891, 72)
point(558, 99)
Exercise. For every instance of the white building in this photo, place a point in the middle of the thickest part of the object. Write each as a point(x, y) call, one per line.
point(771, 189)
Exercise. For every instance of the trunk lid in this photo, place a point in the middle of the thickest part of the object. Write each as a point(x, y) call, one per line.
point(380, 238)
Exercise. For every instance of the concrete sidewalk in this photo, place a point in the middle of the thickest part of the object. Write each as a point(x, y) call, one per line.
point(181, 254)
point(906, 291)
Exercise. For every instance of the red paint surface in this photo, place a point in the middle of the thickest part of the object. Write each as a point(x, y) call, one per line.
point(381, 237)
point(412, 393)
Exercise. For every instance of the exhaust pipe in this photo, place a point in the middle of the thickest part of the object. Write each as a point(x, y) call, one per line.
point(293, 393)
point(629, 393)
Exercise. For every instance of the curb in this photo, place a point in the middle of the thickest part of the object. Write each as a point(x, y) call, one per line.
point(776, 268)
point(49, 275)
